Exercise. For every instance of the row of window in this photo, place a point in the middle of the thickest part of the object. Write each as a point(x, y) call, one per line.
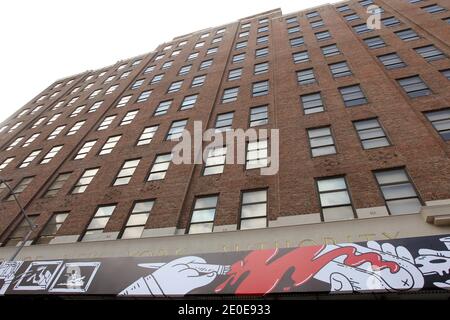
point(398, 191)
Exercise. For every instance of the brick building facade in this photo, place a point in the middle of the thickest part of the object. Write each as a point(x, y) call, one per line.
point(364, 138)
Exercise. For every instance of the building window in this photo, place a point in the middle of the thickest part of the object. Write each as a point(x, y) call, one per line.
point(202, 220)
point(259, 116)
point(199, 45)
point(144, 96)
point(407, 35)
point(241, 45)
point(230, 95)
point(291, 20)
point(299, 57)
point(263, 20)
point(317, 24)
point(398, 191)
point(215, 162)
point(83, 152)
point(50, 121)
point(253, 210)
point(160, 167)
point(175, 53)
point(51, 154)
point(446, 73)
point(243, 34)
point(246, 25)
point(136, 221)
point(292, 30)
point(192, 56)
point(257, 156)
point(430, 53)
point(330, 50)
point(414, 86)
point(57, 185)
point(15, 143)
point(261, 68)
point(312, 103)
point(77, 126)
point(440, 120)
point(391, 61)
point(434, 8)
point(312, 14)
point(340, 69)
point(55, 132)
point(27, 161)
point(175, 86)
point(297, 42)
point(321, 141)
point(166, 65)
point(84, 181)
point(95, 106)
point(20, 232)
point(260, 88)
point(324, 35)
point(99, 221)
point(198, 81)
point(343, 8)
point(77, 111)
point(30, 140)
point(220, 31)
point(366, 3)
point(38, 122)
point(94, 94)
point(106, 123)
point(259, 53)
point(137, 84)
point(6, 162)
point(375, 42)
point(109, 145)
point(224, 121)
point(371, 134)
point(147, 135)
point(335, 199)
point(390, 22)
point(129, 117)
point(23, 184)
point(157, 78)
point(163, 107)
point(125, 75)
point(234, 74)
point(111, 89)
point(123, 101)
point(361, 28)
point(212, 51)
point(351, 17)
point(306, 76)
point(263, 29)
point(205, 64)
point(126, 172)
point(216, 40)
point(189, 102)
point(184, 70)
point(176, 130)
point(238, 57)
point(262, 39)
point(52, 227)
point(353, 96)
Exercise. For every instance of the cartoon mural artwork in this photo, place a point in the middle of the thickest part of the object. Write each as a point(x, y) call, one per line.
point(400, 265)
point(7, 272)
point(75, 277)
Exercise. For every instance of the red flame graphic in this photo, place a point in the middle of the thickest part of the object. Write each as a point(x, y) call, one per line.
point(260, 271)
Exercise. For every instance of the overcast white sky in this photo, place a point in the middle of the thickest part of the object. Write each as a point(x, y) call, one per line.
point(45, 40)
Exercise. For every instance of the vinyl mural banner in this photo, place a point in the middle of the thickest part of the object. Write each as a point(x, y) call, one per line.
point(399, 265)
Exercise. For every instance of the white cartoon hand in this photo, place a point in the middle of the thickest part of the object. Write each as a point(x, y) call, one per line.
point(177, 278)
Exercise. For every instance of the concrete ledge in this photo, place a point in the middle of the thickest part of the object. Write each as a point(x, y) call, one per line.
point(372, 212)
point(438, 215)
point(224, 228)
point(159, 232)
point(438, 202)
point(101, 236)
point(295, 220)
point(65, 239)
